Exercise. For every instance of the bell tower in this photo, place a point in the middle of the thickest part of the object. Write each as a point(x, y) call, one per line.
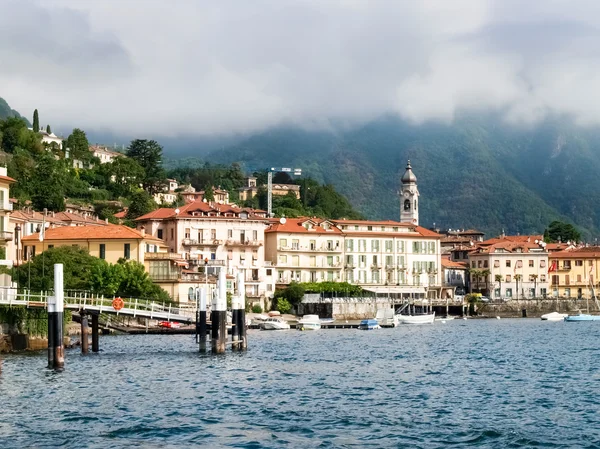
point(409, 197)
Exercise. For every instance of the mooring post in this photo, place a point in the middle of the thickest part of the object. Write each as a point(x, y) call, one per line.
point(235, 311)
point(95, 333)
point(219, 322)
point(85, 344)
point(243, 343)
point(202, 321)
point(56, 350)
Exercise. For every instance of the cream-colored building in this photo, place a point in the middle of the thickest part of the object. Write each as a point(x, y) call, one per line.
point(6, 235)
point(305, 250)
point(223, 235)
point(520, 265)
point(110, 243)
point(391, 253)
point(104, 154)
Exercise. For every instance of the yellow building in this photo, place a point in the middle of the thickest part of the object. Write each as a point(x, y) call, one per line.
point(573, 272)
point(110, 242)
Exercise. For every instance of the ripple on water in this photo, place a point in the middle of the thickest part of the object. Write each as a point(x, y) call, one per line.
point(521, 385)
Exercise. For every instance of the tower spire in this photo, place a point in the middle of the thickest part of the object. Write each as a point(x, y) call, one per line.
point(409, 196)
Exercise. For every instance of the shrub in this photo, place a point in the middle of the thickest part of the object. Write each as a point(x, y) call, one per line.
point(256, 309)
point(283, 305)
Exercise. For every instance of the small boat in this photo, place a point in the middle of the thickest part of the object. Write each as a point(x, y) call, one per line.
point(367, 325)
point(445, 318)
point(582, 317)
point(257, 320)
point(386, 318)
point(327, 320)
point(274, 324)
point(554, 316)
point(309, 323)
point(416, 319)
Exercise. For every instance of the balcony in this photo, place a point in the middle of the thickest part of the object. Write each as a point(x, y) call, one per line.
point(349, 266)
point(162, 256)
point(202, 262)
point(313, 249)
point(192, 242)
point(7, 207)
point(6, 236)
point(251, 243)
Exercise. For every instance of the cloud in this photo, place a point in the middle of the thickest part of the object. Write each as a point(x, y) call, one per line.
point(193, 67)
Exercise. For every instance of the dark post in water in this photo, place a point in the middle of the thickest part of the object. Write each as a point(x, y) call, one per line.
point(201, 325)
point(240, 320)
point(56, 353)
point(219, 315)
point(85, 344)
point(95, 325)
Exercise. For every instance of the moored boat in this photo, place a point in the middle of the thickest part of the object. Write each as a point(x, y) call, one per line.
point(554, 316)
point(416, 319)
point(309, 323)
point(274, 324)
point(367, 325)
point(582, 317)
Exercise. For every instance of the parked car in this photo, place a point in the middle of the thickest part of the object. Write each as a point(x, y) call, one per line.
point(484, 299)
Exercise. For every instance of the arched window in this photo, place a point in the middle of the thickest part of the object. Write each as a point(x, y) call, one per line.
point(406, 204)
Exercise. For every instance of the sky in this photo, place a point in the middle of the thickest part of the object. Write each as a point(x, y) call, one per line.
point(217, 67)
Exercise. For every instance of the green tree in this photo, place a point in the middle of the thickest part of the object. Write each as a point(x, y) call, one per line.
point(36, 121)
point(39, 272)
point(293, 293)
point(209, 194)
point(49, 184)
point(141, 204)
point(283, 305)
point(535, 278)
point(498, 279)
point(518, 277)
point(48, 130)
point(123, 176)
point(78, 145)
point(486, 275)
point(558, 230)
point(148, 153)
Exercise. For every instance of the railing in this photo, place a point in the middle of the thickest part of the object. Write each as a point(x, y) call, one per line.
point(253, 243)
point(321, 249)
point(6, 207)
point(192, 242)
point(162, 256)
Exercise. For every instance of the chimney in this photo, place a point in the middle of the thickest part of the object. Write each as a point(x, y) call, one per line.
point(106, 219)
point(143, 231)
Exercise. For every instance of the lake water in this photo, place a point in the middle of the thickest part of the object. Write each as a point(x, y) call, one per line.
point(477, 383)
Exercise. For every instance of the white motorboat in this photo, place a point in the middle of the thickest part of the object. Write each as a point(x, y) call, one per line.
point(309, 323)
point(416, 319)
point(274, 324)
point(554, 316)
point(257, 320)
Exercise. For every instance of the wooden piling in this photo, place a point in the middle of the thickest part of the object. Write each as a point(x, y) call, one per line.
point(95, 333)
point(85, 343)
point(201, 329)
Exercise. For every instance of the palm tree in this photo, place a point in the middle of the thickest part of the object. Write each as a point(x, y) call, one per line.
point(475, 273)
point(518, 277)
point(498, 279)
point(486, 274)
point(534, 277)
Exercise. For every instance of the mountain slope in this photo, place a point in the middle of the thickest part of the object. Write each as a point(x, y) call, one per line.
point(475, 173)
point(6, 111)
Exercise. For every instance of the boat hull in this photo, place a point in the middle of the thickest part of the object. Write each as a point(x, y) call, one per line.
point(308, 326)
point(582, 317)
point(554, 316)
point(368, 325)
point(416, 319)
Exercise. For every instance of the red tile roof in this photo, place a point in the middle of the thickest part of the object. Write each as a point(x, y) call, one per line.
point(447, 263)
point(198, 209)
point(121, 214)
point(109, 232)
point(7, 179)
point(586, 252)
point(509, 246)
point(295, 226)
point(512, 238)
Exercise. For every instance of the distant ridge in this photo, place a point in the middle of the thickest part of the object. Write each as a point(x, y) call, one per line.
point(6, 111)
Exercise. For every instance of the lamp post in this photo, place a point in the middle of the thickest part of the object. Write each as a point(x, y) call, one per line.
point(17, 231)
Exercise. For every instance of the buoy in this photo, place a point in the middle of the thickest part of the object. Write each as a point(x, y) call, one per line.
point(118, 304)
point(497, 317)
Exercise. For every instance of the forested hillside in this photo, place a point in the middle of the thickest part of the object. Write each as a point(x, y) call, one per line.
point(477, 173)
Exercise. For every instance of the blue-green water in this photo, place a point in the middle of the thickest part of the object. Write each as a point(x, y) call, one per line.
point(492, 383)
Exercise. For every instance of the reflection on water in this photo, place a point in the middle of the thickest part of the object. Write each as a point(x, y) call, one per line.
point(507, 383)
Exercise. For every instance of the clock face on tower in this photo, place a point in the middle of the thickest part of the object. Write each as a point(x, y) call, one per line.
point(406, 194)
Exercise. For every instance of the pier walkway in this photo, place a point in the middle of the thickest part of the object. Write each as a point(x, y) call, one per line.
point(100, 304)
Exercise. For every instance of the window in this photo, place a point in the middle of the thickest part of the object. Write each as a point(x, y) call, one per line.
point(369, 228)
point(579, 263)
point(374, 260)
point(568, 292)
point(508, 263)
point(160, 233)
point(172, 234)
point(296, 261)
point(349, 245)
point(50, 246)
point(567, 264)
point(508, 278)
point(362, 245)
point(555, 279)
point(531, 263)
point(282, 243)
point(542, 278)
point(389, 246)
point(485, 264)
point(255, 235)
point(496, 264)
point(230, 233)
point(295, 244)
point(282, 259)
point(400, 246)
point(578, 278)
point(509, 292)
point(127, 250)
point(313, 261)
point(213, 234)
point(374, 245)
point(102, 251)
point(567, 280)
point(532, 292)
point(187, 233)
point(269, 271)
point(330, 276)
point(542, 264)
point(330, 261)
point(479, 264)
point(330, 244)
point(362, 261)
point(497, 293)
point(543, 292)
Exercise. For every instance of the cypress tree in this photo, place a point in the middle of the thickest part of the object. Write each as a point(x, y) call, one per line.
point(48, 130)
point(36, 121)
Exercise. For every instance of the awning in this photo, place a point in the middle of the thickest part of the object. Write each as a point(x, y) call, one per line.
point(394, 290)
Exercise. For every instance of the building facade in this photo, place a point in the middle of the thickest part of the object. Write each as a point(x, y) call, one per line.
point(574, 272)
point(215, 236)
point(305, 250)
point(6, 207)
point(509, 269)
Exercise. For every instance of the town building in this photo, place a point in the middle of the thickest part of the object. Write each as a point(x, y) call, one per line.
point(6, 236)
point(50, 139)
point(511, 267)
point(207, 236)
point(169, 193)
point(455, 274)
point(305, 250)
point(219, 196)
point(574, 272)
point(110, 243)
point(250, 190)
point(104, 154)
